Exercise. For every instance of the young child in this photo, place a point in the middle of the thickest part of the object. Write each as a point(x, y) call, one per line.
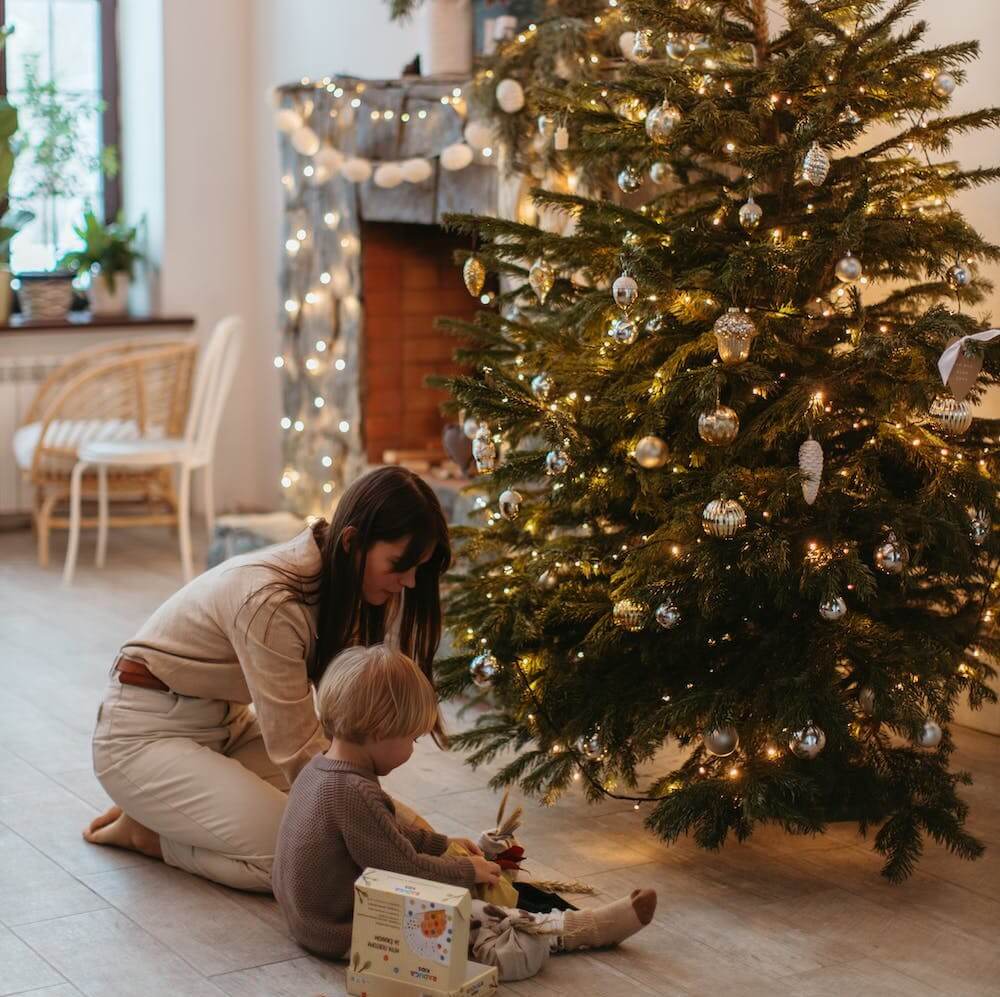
point(374, 702)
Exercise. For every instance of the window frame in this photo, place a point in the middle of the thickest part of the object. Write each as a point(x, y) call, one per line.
point(110, 94)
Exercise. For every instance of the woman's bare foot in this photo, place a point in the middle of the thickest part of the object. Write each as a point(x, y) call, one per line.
point(118, 829)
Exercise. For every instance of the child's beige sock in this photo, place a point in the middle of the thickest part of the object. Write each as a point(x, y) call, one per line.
point(609, 924)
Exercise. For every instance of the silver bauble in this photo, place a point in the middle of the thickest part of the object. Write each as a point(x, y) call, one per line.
point(930, 735)
point(661, 121)
point(470, 427)
point(952, 417)
point(723, 518)
point(891, 557)
point(625, 291)
point(510, 504)
point(484, 450)
point(849, 269)
point(548, 579)
point(849, 116)
point(979, 527)
point(944, 84)
point(629, 180)
point(623, 330)
point(659, 172)
point(750, 214)
point(590, 747)
point(483, 669)
point(668, 615)
point(541, 277)
point(651, 452)
point(677, 48)
point(807, 743)
point(642, 47)
point(630, 614)
point(721, 741)
point(816, 165)
point(734, 331)
point(541, 386)
point(719, 426)
point(866, 701)
point(833, 609)
point(958, 276)
point(556, 462)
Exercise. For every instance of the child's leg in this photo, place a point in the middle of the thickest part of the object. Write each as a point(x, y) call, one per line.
point(516, 942)
point(608, 924)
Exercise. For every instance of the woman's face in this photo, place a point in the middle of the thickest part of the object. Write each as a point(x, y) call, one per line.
point(383, 579)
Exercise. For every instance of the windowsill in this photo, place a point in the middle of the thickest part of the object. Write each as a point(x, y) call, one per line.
point(84, 320)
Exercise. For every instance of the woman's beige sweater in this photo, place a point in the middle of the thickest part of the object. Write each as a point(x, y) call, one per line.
point(223, 637)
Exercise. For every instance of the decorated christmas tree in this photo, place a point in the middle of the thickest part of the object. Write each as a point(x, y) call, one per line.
point(731, 504)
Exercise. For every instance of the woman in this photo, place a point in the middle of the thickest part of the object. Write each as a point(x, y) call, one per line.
point(210, 715)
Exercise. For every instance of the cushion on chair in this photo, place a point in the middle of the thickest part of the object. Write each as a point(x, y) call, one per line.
point(69, 434)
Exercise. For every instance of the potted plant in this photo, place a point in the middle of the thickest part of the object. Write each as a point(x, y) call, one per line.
point(12, 221)
point(55, 151)
point(109, 256)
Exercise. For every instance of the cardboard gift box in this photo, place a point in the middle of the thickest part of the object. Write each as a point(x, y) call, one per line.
point(411, 939)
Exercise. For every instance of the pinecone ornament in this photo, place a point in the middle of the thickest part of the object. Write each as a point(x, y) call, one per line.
point(811, 466)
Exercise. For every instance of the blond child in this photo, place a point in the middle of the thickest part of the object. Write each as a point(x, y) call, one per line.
point(374, 702)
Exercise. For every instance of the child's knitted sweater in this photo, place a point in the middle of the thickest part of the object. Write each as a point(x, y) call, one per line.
point(338, 823)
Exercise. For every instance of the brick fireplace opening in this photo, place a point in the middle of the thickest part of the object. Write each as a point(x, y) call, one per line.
point(409, 278)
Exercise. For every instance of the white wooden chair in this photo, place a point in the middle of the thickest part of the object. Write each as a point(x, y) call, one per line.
point(194, 451)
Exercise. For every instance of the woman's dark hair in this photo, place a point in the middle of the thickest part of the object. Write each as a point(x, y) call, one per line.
point(388, 504)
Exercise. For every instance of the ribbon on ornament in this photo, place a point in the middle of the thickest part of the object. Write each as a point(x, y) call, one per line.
point(958, 370)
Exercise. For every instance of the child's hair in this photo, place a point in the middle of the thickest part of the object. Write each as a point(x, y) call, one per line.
point(376, 692)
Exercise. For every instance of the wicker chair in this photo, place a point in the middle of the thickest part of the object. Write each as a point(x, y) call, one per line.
point(121, 391)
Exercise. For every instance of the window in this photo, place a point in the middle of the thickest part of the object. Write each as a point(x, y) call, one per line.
point(60, 70)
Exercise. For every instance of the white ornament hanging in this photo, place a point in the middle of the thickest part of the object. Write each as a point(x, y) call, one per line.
point(626, 42)
point(953, 417)
point(651, 453)
point(816, 165)
point(849, 269)
point(479, 135)
point(811, 469)
point(388, 175)
point(456, 156)
point(642, 45)
point(661, 121)
point(510, 504)
point(356, 170)
point(561, 141)
point(305, 141)
point(288, 120)
point(484, 450)
point(750, 214)
point(510, 96)
point(330, 159)
point(416, 170)
point(734, 332)
point(944, 84)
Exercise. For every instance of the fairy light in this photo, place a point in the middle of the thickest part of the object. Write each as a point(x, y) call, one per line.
point(286, 423)
point(298, 425)
point(340, 363)
point(279, 362)
point(344, 426)
point(326, 461)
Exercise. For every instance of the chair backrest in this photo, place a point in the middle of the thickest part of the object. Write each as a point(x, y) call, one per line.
point(213, 379)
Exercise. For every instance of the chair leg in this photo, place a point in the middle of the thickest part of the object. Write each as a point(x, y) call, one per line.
point(209, 485)
point(184, 519)
point(102, 515)
point(42, 520)
point(75, 489)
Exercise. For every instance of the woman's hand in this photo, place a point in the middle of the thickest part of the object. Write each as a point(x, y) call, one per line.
point(486, 872)
point(468, 844)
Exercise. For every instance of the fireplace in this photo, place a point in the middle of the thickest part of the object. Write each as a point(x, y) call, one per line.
point(408, 278)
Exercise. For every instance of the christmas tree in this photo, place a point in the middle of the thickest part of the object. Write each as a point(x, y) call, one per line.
point(731, 502)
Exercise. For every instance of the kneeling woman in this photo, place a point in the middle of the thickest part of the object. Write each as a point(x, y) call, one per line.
point(209, 715)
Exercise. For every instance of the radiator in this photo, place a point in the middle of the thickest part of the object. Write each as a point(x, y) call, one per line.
point(19, 379)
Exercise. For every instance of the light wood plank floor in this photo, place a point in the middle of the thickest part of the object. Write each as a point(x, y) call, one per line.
point(778, 916)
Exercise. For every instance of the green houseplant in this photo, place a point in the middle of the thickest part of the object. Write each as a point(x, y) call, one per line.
point(109, 255)
point(13, 220)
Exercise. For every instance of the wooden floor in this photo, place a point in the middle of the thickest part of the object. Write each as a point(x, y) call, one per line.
point(778, 916)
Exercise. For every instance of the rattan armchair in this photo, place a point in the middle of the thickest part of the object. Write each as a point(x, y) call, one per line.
point(121, 391)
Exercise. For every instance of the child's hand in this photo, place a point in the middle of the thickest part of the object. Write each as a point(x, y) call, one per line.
point(486, 872)
point(468, 844)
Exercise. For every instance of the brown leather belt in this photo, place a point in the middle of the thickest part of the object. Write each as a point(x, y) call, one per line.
point(132, 672)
